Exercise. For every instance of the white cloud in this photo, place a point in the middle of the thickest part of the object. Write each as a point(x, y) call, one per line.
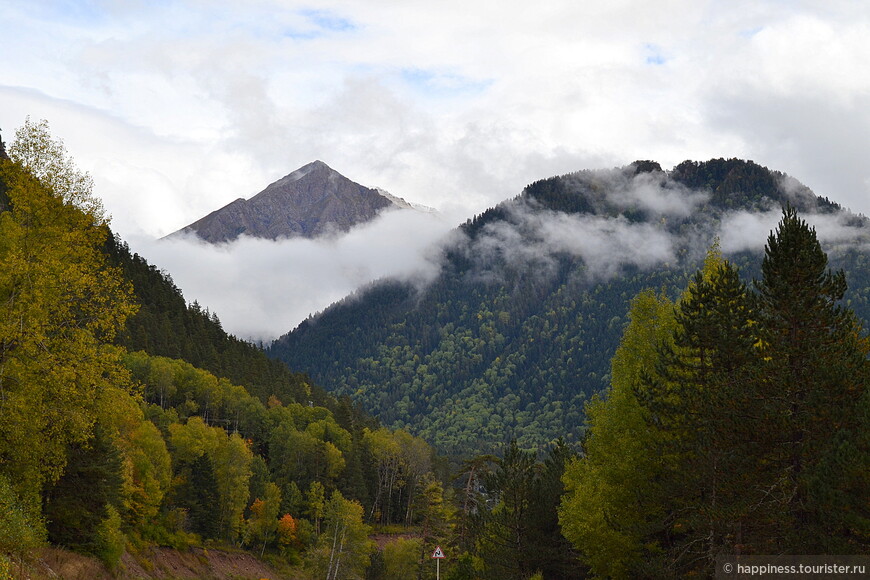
point(606, 245)
point(531, 236)
point(262, 288)
point(742, 230)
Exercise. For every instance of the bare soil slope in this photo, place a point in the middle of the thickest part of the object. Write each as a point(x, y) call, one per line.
point(151, 564)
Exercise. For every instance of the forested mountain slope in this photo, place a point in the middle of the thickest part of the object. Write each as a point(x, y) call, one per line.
point(227, 447)
point(518, 330)
point(166, 325)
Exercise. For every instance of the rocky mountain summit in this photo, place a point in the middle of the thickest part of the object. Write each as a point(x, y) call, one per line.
point(312, 201)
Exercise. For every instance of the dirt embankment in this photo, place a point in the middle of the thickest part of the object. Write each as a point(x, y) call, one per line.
point(150, 564)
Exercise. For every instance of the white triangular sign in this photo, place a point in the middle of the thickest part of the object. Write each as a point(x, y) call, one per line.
point(438, 553)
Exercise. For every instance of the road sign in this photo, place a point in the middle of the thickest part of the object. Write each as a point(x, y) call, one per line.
point(438, 555)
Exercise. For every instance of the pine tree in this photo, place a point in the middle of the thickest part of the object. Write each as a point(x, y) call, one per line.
point(813, 383)
point(73, 517)
point(701, 402)
point(549, 552)
point(197, 493)
point(511, 488)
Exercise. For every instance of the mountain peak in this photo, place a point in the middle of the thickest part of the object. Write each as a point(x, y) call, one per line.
point(309, 202)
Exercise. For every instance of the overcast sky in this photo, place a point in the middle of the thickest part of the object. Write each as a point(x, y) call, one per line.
point(178, 107)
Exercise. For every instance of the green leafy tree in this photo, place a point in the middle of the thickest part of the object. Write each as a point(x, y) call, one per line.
point(613, 496)
point(21, 528)
point(316, 498)
point(263, 523)
point(342, 550)
point(110, 540)
point(59, 306)
point(230, 459)
point(388, 454)
point(402, 559)
point(232, 467)
point(47, 160)
point(147, 467)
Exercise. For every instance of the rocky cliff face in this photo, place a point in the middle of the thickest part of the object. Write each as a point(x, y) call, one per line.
point(311, 201)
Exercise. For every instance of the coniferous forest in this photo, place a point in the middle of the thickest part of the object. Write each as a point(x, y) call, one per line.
point(724, 407)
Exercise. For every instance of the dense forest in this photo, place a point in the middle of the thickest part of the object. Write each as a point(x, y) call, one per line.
point(734, 417)
point(516, 334)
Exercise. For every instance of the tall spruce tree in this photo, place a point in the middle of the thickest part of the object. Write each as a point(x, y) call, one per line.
point(78, 503)
point(512, 488)
point(812, 385)
point(700, 401)
point(197, 492)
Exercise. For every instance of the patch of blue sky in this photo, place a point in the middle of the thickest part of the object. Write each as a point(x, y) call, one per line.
point(442, 84)
point(328, 21)
point(750, 32)
point(654, 55)
point(319, 23)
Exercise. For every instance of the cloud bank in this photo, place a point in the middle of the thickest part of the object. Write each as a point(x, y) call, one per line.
point(261, 288)
point(740, 230)
point(530, 238)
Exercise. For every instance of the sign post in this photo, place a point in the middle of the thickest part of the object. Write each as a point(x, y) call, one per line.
point(438, 555)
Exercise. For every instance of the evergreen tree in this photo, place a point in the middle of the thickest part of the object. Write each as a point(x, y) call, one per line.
point(700, 400)
point(505, 542)
point(76, 505)
point(198, 493)
point(749, 425)
point(813, 384)
point(549, 551)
